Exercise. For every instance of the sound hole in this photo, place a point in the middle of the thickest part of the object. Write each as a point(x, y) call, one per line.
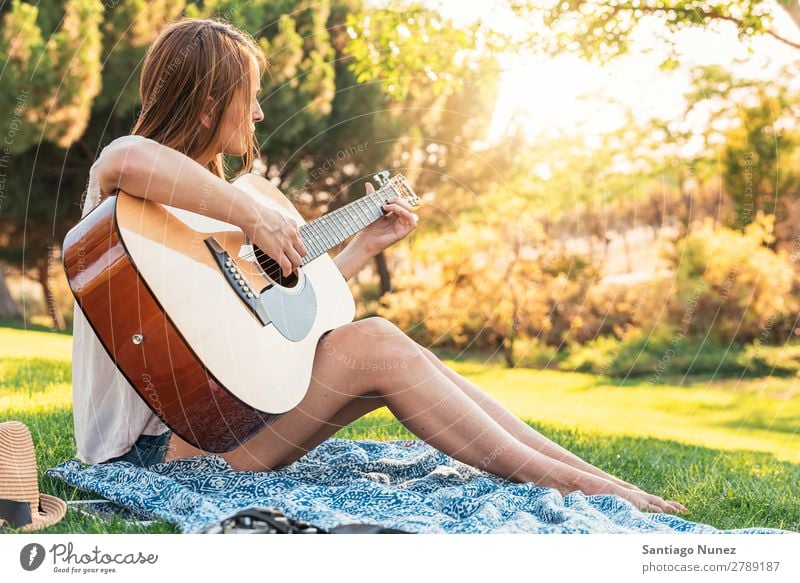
point(273, 270)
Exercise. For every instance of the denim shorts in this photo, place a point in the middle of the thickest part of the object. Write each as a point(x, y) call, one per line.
point(148, 450)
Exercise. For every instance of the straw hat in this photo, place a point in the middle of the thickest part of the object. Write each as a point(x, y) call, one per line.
point(18, 483)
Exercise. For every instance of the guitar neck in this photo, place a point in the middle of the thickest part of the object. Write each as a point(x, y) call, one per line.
point(324, 233)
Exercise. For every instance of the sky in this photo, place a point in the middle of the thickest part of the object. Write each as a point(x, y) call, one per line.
point(545, 95)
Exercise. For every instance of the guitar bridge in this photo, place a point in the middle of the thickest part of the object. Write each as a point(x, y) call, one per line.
point(230, 271)
point(291, 311)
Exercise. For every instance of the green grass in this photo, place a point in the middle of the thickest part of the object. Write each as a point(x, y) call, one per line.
point(727, 450)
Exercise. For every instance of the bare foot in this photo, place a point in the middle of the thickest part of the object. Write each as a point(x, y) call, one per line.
point(677, 506)
point(639, 498)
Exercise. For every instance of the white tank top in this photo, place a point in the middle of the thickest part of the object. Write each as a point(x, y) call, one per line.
point(108, 414)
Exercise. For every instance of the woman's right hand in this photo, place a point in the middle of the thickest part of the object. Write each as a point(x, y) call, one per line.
point(278, 236)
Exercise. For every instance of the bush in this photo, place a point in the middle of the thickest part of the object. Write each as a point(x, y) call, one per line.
point(663, 353)
point(490, 285)
point(617, 310)
point(761, 360)
point(732, 286)
point(533, 353)
point(596, 356)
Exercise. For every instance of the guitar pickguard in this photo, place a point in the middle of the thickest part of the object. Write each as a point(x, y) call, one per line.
point(292, 312)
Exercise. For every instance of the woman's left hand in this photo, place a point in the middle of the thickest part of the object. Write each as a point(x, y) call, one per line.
point(398, 222)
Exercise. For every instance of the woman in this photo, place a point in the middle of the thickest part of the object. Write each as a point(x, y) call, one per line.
point(199, 91)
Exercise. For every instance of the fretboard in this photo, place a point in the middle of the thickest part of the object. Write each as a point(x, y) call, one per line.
point(327, 231)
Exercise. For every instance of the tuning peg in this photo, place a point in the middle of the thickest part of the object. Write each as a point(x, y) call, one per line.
point(381, 177)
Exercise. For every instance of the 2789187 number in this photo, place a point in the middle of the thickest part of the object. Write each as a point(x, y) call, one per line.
point(767, 566)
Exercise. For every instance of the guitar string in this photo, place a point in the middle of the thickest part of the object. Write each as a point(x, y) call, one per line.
point(258, 255)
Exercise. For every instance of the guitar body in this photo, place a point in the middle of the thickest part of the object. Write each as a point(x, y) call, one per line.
point(213, 345)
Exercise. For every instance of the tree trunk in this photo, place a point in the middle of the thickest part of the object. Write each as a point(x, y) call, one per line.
point(383, 273)
point(53, 309)
point(507, 348)
point(8, 308)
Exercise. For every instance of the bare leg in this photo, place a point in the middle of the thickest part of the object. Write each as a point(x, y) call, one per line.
point(355, 409)
point(373, 356)
point(521, 430)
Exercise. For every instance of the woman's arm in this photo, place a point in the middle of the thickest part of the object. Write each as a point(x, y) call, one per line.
point(161, 174)
point(397, 223)
point(353, 258)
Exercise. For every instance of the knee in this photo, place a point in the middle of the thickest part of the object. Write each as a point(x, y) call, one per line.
point(376, 327)
point(377, 342)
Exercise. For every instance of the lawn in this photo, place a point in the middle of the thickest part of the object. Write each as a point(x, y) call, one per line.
point(728, 450)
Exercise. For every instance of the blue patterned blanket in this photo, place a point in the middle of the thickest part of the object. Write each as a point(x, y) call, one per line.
point(401, 484)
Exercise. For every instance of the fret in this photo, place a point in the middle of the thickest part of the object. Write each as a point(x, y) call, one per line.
point(316, 241)
point(312, 238)
point(308, 240)
point(344, 220)
point(313, 245)
point(377, 211)
point(331, 229)
point(308, 256)
point(328, 236)
point(319, 238)
point(377, 203)
point(304, 237)
point(360, 210)
point(391, 192)
point(341, 233)
point(332, 224)
point(368, 210)
point(329, 226)
point(355, 224)
point(340, 229)
point(319, 244)
point(360, 222)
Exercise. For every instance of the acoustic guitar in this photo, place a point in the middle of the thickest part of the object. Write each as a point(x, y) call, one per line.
point(200, 321)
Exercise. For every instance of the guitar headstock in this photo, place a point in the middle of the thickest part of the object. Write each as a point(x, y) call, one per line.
point(397, 186)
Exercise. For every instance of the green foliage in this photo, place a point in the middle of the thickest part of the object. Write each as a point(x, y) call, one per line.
point(596, 356)
point(324, 129)
point(128, 30)
point(760, 157)
point(731, 286)
point(299, 82)
point(48, 86)
point(657, 354)
point(663, 354)
point(761, 359)
point(534, 353)
point(409, 48)
point(488, 283)
point(602, 30)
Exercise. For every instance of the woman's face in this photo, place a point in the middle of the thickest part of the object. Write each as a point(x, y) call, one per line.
point(238, 122)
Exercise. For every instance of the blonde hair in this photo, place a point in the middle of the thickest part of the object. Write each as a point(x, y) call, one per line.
point(191, 60)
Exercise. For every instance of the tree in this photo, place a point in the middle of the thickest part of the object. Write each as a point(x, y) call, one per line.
point(47, 89)
point(326, 126)
point(601, 29)
point(760, 157)
point(49, 85)
point(747, 141)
